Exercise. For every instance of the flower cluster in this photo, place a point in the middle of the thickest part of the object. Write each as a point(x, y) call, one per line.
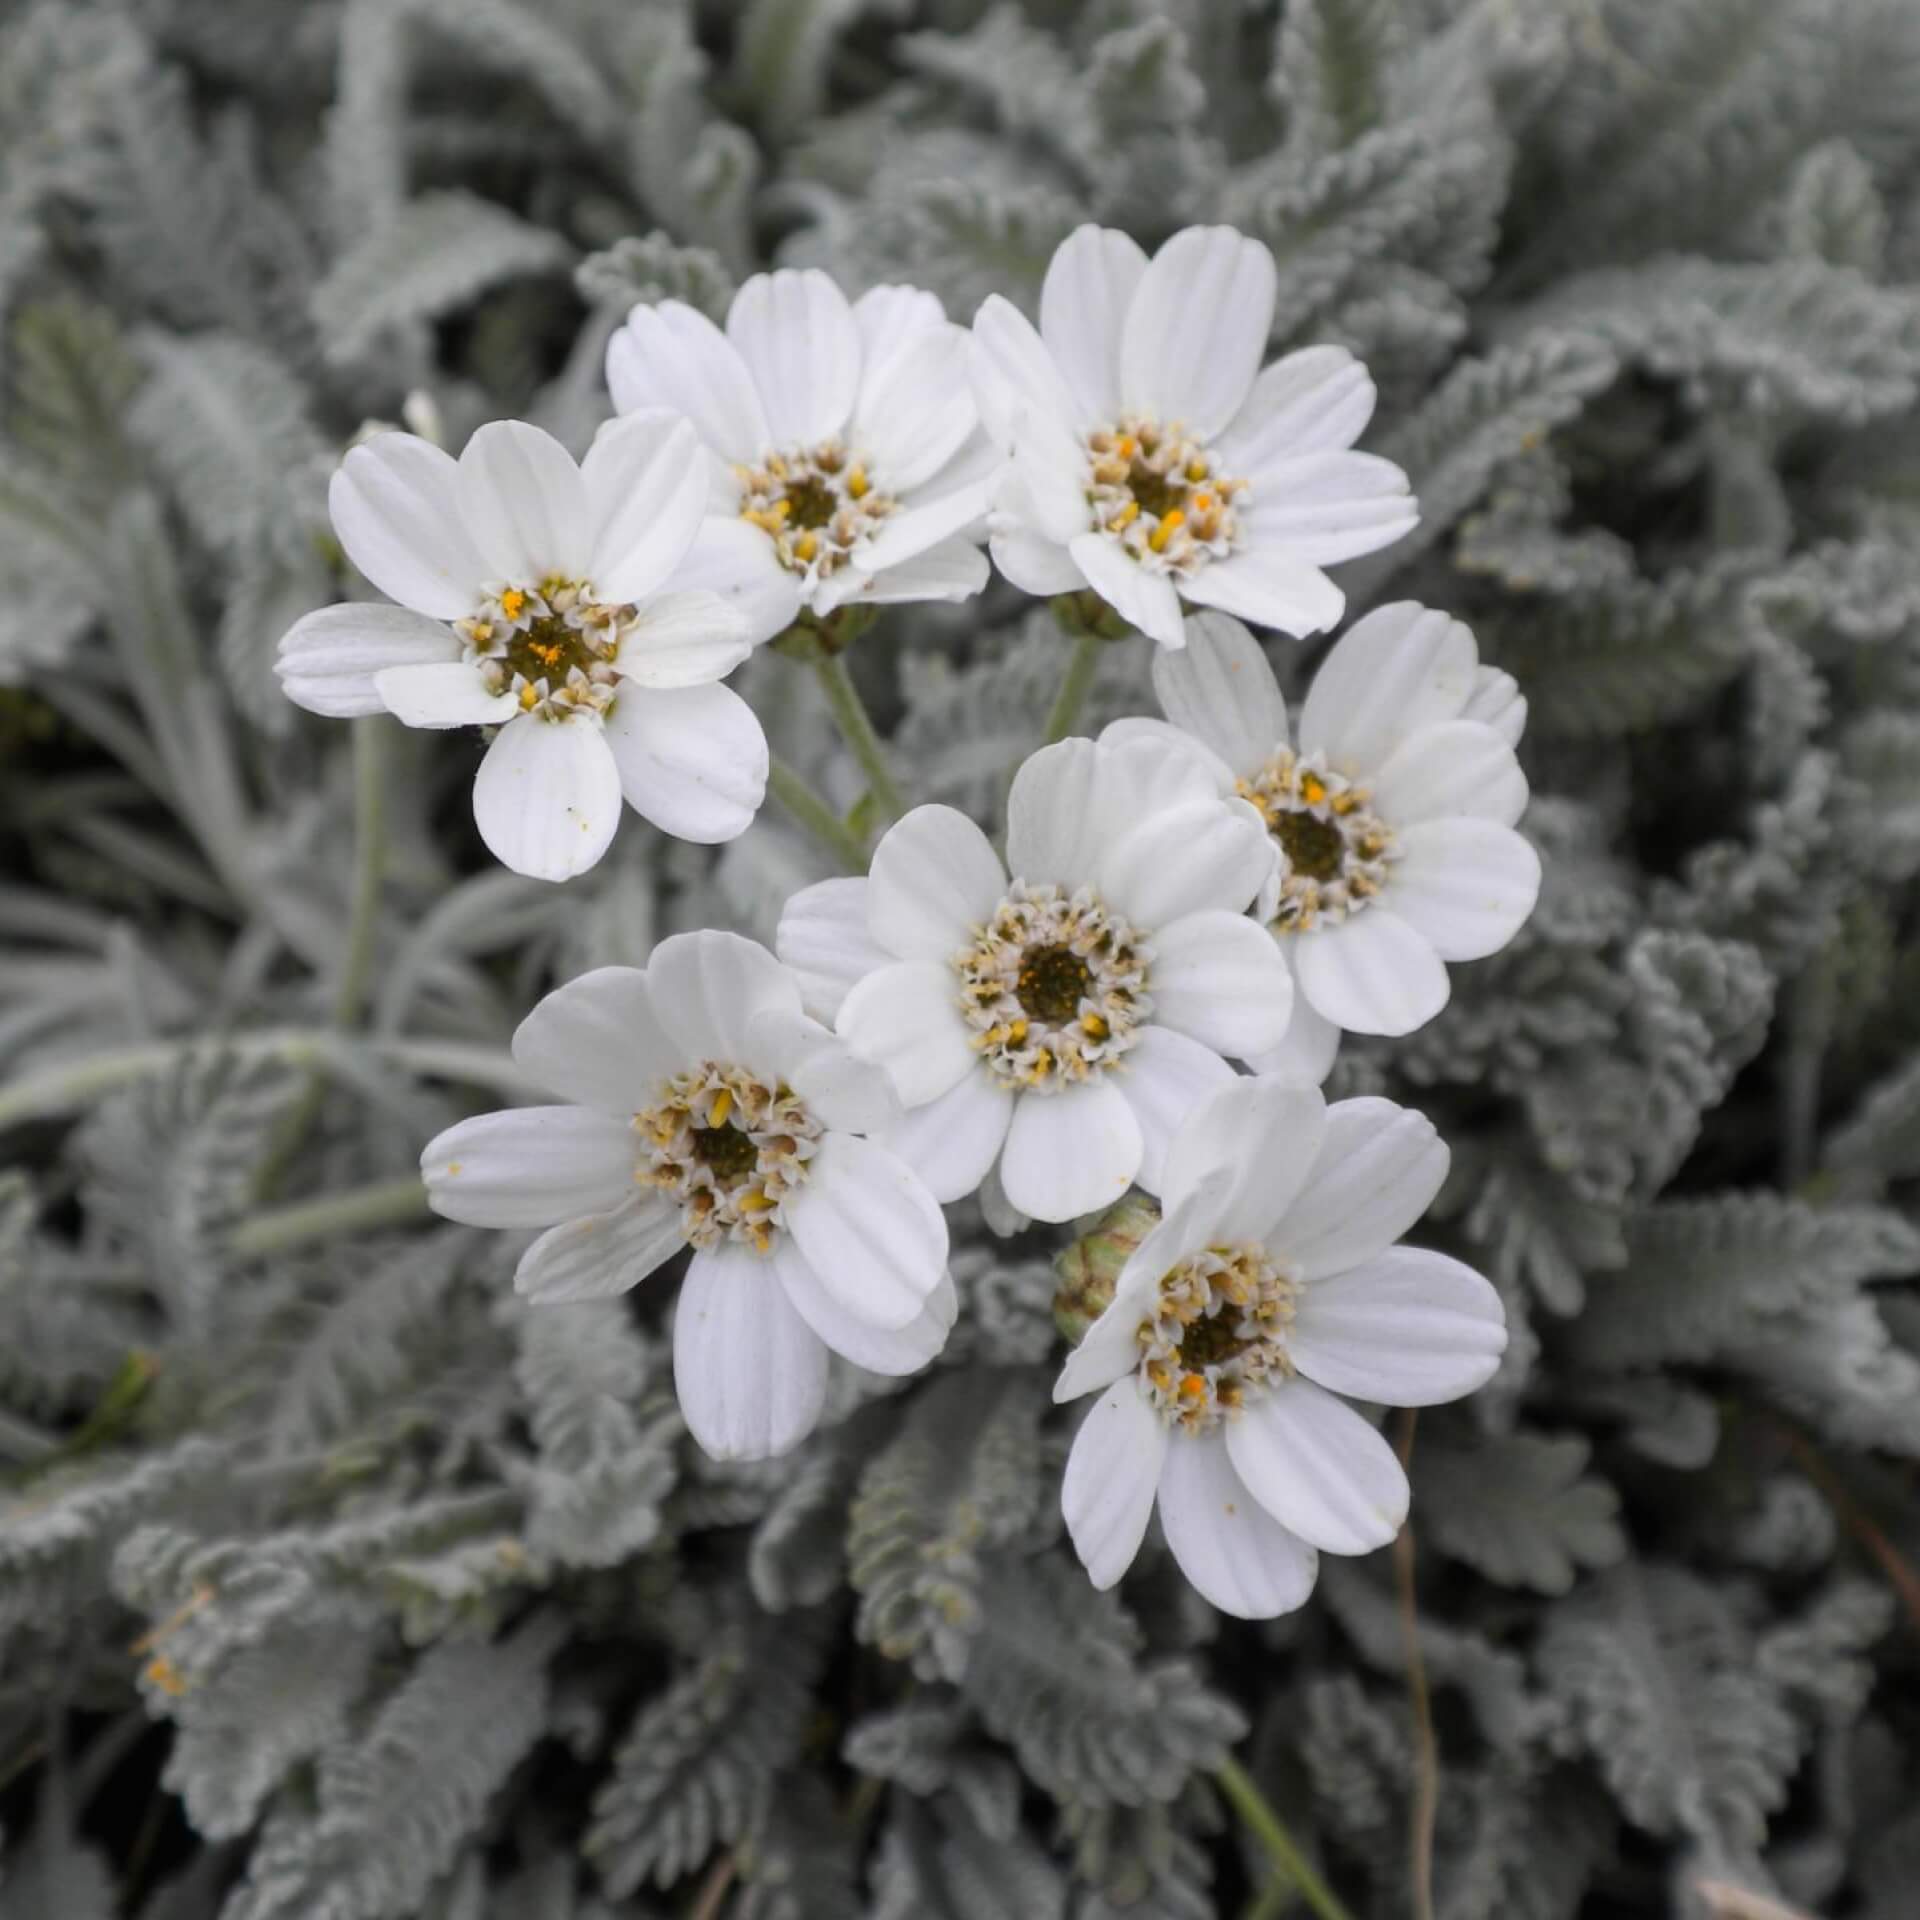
point(1140, 987)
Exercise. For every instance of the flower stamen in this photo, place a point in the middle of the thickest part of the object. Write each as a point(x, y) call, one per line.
point(1216, 1335)
point(1160, 495)
point(1335, 849)
point(552, 646)
point(816, 505)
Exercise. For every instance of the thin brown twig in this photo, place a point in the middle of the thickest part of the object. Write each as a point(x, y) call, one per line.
point(1861, 1524)
point(713, 1889)
point(1426, 1753)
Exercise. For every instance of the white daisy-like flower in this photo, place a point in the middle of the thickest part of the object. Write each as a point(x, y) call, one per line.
point(845, 456)
point(1392, 816)
point(1151, 458)
point(1271, 1286)
point(709, 1111)
point(1063, 1017)
point(533, 598)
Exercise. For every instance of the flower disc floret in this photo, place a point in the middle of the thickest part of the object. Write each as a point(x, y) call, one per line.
point(816, 505)
point(1216, 1335)
point(1053, 988)
point(730, 1149)
point(552, 646)
point(1161, 496)
point(1335, 849)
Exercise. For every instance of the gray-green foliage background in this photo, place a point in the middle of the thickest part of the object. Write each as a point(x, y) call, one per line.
point(336, 1586)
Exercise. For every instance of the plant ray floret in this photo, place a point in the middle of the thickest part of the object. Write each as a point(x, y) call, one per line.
point(1161, 495)
point(1335, 850)
point(1216, 1335)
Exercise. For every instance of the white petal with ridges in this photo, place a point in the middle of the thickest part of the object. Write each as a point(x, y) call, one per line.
point(1307, 1052)
point(449, 693)
point(1220, 689)
point(1194, 334)
point(598, 1041)
point(1459, 770)
point(1181, 860)
point(951, 570)
point(1232, 1551)
point(1319, 1468)
point(1033, 563)
point(1071, 1152)
point(1071, 801)
point(890, 320)
point(1113, 1472)
point(893, 1351)
point(529, 1166)
point(600, 1254)
point(1497, 702)
point(1165, 1076)
point(692, 760)
point(1329, 507)
point(1090, 283)
point(1404, 667)
point(1247, 1150)
point(872, 1233)
point(1465, 886)
point(707, 987)
point(673, 357)
point(736, 560)
point(952, 1142)
point(646, 481)
point(1014, 377)
point(1370, 974)
point(796, 335)
point(750, 1373)
point(1142, 599)
point(934, 880)
point(395, 504)
point(547, 796)
point(1269, 588)
point(1407, 1328)
point(1377, 1171)
point(845, 1093)
point(328, 659)
point(906, 1018)
point(916, 410)
point(683, 639)
point(1218, 978)
point(525, 503)
point(1317, 400)
point(823, 938)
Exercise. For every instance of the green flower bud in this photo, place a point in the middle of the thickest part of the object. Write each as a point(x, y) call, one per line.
point(1089, 1268)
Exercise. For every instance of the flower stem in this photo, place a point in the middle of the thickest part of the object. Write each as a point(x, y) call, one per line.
point(1073, 685)
point(1270, 1830)
point(1426, 1753)
point(856, 728)
point(387, 1203)
point(793, 792)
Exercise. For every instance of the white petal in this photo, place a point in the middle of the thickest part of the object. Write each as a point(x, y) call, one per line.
point(601, 1254)
point(1377, 1171)
point(1319, 1468)
point(547, 797)
point(1252, 1146)
point(693, 760)
point(1462, 768)
point(449, 693)
point(525, 503)
point(895, 1351)
point(890, 320)
point(529, 1166)
point(1218, 978)
point(823, 938)
point(1403, 668)
point(915, 409)
point(1090, 283)
point(706, 988)
point(1370, 974)
point(1164, 734)
point(1232, 1551)
point(736, 560)
point(750, 1373)
point(1112, 1475)
point(646, 481)
point(917, 526)
point(906, 1017)
point(1308, 1051)
point(597, 1041)
point(952, 1142)
point(1070, 1152)
point(1196, 329)
point(795, 332)
point(1220, 689)
point(395, 506)
point(1044, 484)
point(1497, 702)
point(1408, 1328)
point(1329, 507)
point(1165, 1076)
point(328, 659)
point(1142, 599)
point(1072, 800)
point(842, 1091)
point(1014, 377)
point(934, 881)
point(1318, 400)
point(953, 570)
point(1465, 886)
point(1272, 589)
point(674, 357)
point(1187, 859)
point(683, 639)
point(874, 1236)
point(1033, 563)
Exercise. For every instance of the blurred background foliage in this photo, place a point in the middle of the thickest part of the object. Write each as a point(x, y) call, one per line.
point(335, 1585)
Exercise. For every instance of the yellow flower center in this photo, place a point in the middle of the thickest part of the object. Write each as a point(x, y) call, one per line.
point(816, 505)
point(1216, 1335)
point(1335, 849)
point(1161, 495)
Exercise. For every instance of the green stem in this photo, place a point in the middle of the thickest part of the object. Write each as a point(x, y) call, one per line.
point(856, 728)
point(387, 1203)
point(1072, 696)
point(813, 813)
point(1270, 1830)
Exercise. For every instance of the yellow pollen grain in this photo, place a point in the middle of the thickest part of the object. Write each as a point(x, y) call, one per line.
point(1196, 471)
point(529, 695)
point(1170, 522)
point(1094, 1026)
point(166, 1676)
point(1312, 790)
point(858, 484)
point(1125, 517)
point(721, 1107)
point(1126, 446)
point(512, 602)
point(1192, 1386)
point(806, 547)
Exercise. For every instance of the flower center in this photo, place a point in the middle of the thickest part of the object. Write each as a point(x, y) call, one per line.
point(552, 646)
point(1053, 988)
point(1161, 495)
point(1216, 1335)
point(730, 1149)
point(1336, 849)
point(816, 505)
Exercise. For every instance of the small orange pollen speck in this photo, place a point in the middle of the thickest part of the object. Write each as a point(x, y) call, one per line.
point(453, 1167)
point(1192, 1386)
point(166, 1676)
point(511, 602)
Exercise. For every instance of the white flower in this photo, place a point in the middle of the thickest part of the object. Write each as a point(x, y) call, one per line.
point(844, 449)
point(1062, 1022)
point(532, 599)
point(1392, 816)
point(1271, 1285)
point(1148, 460)
point(709, 1111)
